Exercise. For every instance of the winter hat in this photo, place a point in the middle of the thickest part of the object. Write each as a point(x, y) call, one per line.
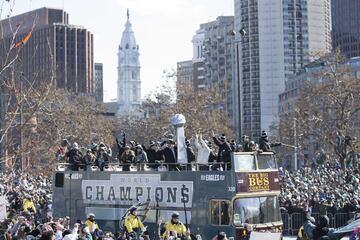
point(264, 134)
point(175, 215)
point(76, 145)
point(93, 146)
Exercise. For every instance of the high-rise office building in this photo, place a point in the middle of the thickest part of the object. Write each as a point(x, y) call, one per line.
point(99, 85)
point(129, 83)
point(54, 49)
point(185, 72)
point(198, 59)
point(48, 49)
point(281, 38)
point(345, 16)
point(213, 45)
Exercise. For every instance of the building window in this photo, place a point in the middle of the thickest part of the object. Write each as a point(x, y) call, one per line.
point(134, 94)
point(133, 75)
point(219, 212)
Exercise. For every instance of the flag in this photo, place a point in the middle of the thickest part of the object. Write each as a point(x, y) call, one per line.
point(24, 40)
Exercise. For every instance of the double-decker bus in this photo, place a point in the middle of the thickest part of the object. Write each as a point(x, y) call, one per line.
point(240, 199)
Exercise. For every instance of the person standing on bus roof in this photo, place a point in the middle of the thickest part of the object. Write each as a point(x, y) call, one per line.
point(170, 154)
point(75, 157)
point(224, 149)
point(154, 154)
point(190, 153)
point(141, 157)
point(133, 223)
point(127, 157)
point(203, 150)
point(175, 228)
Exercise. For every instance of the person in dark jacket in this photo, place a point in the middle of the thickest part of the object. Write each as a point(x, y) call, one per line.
point(224, 150)
point(190, 153)
point(75, 157)
point(154, 154)
point(94, 149)
point(264, 142)
point(89, 159)
point(170, 154)
point(213, 157)
point(102, 158)
point(127, 158)
point(121, 145)
point(321, 230)
point(234, 146)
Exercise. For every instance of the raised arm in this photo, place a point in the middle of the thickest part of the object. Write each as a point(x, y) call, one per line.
point(196, 142)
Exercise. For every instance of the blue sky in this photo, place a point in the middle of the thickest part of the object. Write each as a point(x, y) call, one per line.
point(163, 29)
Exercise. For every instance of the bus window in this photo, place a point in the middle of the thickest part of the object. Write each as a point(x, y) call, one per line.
point(266, 161)
point(219, 212)
point(244, 162)
point(256, 210)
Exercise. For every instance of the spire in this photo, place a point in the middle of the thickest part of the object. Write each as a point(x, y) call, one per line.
point(128, 38)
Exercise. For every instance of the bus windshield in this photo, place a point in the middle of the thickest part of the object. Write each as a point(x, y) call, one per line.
point(244, 162)
point(266, 161)
point(256, 210)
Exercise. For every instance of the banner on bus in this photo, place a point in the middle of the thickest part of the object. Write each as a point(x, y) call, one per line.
point(126, 189)
point(257, 181)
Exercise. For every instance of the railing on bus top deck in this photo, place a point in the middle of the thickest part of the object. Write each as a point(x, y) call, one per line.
point(242, 162)
point(146, 167)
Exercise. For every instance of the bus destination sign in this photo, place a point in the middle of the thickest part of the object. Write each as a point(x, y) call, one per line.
point(257, 181)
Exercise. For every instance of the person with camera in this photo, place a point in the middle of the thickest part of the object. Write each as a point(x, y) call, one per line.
point(133, 225)
point(175, 229)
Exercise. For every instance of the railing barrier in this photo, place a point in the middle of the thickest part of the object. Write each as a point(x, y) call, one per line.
point(292, 222)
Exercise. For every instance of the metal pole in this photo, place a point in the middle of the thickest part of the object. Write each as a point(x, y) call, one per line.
point(239, 88)
point(295, 149)
point(21, 126)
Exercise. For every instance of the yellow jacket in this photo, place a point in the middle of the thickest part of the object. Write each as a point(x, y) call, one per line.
point(28, 204)
point(91, 225)
point(132, 222)
point(179, 228)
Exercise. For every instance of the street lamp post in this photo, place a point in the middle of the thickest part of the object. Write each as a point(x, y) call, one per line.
point(242, 33)
point(295, 149)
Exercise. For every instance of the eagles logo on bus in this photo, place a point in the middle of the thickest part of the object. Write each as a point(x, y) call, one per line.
point(257, 181)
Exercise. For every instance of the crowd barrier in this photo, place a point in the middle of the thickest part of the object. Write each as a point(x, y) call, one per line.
point(292, 222)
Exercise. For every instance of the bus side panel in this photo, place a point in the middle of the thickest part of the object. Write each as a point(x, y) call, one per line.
point(211, 186)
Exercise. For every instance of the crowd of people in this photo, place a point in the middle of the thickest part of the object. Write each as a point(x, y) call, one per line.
point(28, 200)
point(164, 152)
point(324, 189)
